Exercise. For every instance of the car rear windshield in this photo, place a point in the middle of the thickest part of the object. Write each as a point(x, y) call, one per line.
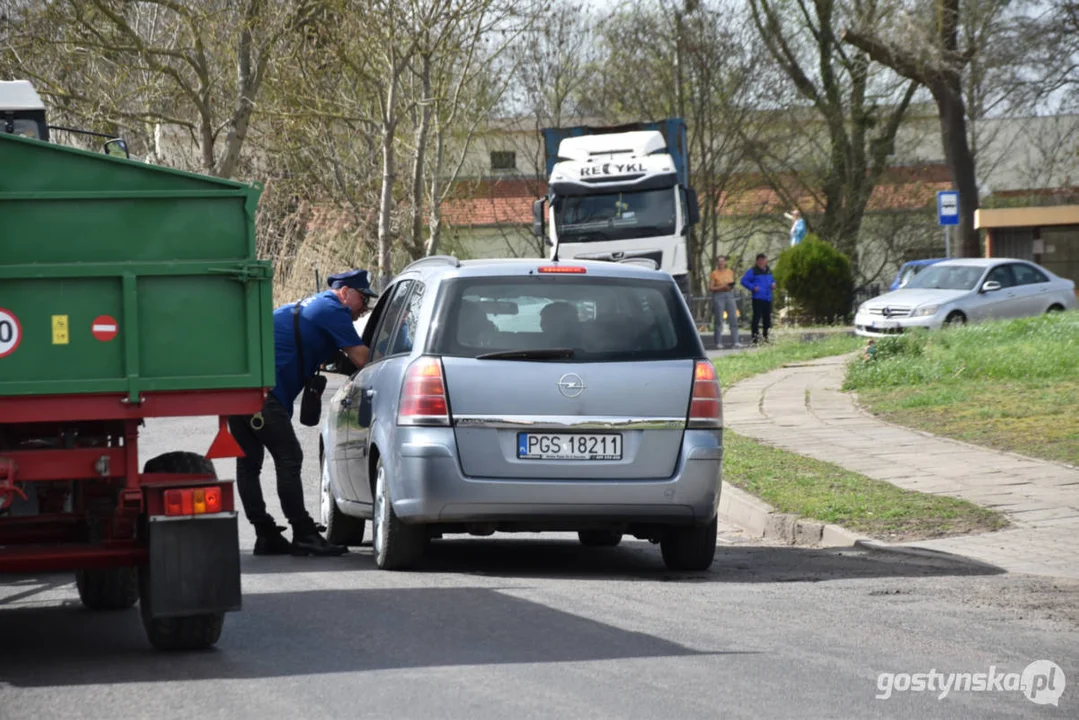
point(599, 319)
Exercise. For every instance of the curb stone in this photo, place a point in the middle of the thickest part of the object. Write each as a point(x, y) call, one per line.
point(758, 519)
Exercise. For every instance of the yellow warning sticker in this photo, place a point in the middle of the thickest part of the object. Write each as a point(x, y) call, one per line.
point(59, 330)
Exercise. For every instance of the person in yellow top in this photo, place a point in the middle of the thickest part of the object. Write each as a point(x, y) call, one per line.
point(721, 282)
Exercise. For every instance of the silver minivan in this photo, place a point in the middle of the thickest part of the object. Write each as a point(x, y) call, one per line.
point(527, 396)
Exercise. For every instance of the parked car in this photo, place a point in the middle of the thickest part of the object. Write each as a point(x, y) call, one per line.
point(968, 290)
point(909, 270)
point(527, 395)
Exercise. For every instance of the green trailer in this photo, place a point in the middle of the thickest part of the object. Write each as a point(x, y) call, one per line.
point(127, 291)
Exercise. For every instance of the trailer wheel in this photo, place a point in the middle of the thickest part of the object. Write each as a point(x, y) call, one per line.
point(108, 588)
point(194, 632)
point(191, 632)
point(184, 463)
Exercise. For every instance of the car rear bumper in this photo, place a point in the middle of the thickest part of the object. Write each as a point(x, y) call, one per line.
point(430, 487)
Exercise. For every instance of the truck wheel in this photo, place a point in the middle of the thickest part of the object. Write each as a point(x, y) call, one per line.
point(397, 546)
point(599, 538)
point(108, 588)
point(690, 548)
point(192, 632)
point(341, 529)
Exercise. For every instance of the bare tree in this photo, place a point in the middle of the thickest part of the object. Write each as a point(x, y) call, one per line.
point(195, 66)
point(931, 56)
point(861, 111)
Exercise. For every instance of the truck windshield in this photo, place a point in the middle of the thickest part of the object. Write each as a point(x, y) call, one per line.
point(615, 216)
point(26, 128)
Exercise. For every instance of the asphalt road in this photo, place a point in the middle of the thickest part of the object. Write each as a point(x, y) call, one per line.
point(540, 627)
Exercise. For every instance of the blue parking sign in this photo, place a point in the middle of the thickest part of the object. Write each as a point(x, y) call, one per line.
point(948, 207)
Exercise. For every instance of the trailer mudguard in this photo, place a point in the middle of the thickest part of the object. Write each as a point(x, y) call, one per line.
point(193, 567)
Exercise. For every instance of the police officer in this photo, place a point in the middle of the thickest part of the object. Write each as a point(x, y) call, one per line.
point(325, 326)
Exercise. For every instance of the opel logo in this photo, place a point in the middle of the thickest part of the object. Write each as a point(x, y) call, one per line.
point(571, 385)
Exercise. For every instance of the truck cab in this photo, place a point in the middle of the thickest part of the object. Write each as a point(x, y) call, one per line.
point(21, 110)
point(620, 196)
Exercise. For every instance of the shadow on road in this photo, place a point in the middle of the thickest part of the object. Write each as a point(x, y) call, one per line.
point(508, 557)
point(317, 632)
point(636, 559)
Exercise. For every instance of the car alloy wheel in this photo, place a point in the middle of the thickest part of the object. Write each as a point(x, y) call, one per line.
point(381, 517)
point(325, 497)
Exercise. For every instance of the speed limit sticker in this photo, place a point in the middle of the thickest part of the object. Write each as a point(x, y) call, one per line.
point(10, 332)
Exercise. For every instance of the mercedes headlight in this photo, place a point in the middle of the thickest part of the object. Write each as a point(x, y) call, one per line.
point(925, 311)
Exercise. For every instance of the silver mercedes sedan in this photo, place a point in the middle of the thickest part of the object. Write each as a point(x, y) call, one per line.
point(955, 292)
point(527, 395)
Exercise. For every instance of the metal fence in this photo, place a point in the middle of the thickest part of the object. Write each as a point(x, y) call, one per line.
point(701, 305)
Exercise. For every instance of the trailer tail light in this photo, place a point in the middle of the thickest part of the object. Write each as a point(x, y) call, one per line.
point(706, 406)
point(423, 397)
point(563, 269)
point(193, 501)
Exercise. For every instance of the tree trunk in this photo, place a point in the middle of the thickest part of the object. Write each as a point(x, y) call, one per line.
point(385, 209)
point(416, 244)
point(960, 162)
point(435, 221)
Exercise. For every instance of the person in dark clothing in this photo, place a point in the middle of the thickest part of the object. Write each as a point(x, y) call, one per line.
point(326, 326)
point(761, 283)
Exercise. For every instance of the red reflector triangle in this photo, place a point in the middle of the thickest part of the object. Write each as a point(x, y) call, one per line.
point(224, 445)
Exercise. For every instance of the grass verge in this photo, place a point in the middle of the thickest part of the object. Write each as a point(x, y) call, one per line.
point(822, 491)
point(785, 349)
point(1007, 385)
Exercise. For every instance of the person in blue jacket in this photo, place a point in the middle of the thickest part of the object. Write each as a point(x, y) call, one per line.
point(326, 326)
point(760, 282)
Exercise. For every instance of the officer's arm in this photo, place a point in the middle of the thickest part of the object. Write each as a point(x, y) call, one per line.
point(358, 354)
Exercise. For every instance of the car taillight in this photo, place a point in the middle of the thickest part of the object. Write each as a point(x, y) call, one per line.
point(423, 397)
point(193, 501)
point(706, 406)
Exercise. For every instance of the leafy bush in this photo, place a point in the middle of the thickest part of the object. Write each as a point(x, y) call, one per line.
point(818, 279)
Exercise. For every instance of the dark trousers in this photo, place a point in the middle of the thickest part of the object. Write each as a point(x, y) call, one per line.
point(278, 436)
point(762, 314)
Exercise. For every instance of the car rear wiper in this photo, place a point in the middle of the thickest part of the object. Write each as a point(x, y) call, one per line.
point(544, 354)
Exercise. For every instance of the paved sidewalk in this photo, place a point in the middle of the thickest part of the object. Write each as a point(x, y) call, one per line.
point(801, 408)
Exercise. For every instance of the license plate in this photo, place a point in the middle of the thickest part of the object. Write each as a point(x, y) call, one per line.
point(569, 446)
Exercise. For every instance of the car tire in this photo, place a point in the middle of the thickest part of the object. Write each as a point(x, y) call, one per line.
point(341, 529)
point(396, 546)
point(1054, 309)
point(955, 319)
point(108, 588)
point(691, 547)
point(599, 538)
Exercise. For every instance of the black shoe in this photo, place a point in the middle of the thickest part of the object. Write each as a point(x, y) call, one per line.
point(315, 544)
point(272, 542)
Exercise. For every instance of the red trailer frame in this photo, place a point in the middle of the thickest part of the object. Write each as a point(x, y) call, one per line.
point(49, 542)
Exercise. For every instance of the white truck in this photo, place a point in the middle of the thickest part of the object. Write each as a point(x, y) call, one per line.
point(620, 194)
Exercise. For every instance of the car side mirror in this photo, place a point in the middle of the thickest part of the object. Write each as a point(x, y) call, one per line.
point(117, 147)
point(990, 286)
point(538, 224)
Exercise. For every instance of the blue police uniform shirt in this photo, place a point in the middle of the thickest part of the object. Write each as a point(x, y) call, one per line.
point(325, 326)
